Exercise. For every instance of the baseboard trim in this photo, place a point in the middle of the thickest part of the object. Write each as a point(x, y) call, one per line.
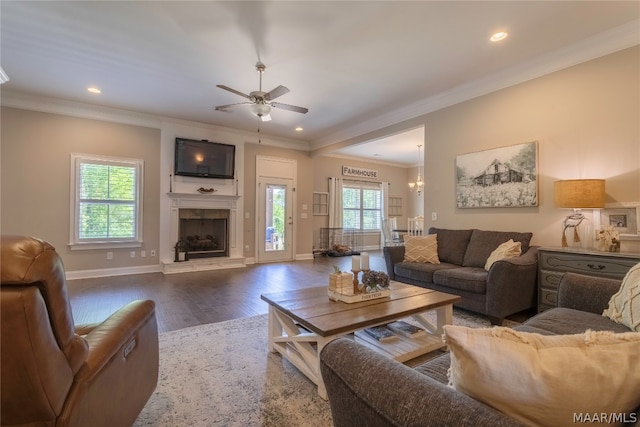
point(304, 257)
point(106, 272)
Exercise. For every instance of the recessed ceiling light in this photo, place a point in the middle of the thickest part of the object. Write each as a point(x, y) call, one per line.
point(93, 89)
point(299, 129)
point(501, 35)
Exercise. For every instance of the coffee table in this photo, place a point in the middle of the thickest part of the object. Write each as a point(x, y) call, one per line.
point(303, 321)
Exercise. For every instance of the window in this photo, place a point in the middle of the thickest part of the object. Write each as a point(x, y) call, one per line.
point(106, 196)
point(361, 206)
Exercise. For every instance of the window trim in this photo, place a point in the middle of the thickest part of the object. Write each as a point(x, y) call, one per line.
point(75, 243)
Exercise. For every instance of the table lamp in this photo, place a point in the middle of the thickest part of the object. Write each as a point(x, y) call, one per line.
point(578, 194)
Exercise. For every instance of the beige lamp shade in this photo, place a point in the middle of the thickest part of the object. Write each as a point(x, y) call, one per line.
point(579, 193)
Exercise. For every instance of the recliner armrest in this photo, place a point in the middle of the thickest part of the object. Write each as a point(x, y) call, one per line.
point(108, 337)
point(120, 372)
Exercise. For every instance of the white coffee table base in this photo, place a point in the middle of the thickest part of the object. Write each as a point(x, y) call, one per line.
point(302, 347)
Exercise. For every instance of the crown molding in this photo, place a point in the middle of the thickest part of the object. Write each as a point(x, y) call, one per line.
point(368, 160)
point(605, 43)
point(96, 112)
point(64, 107)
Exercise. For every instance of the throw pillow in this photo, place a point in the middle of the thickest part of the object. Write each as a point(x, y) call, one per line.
point(519, 373)
point(421, 249)
point(624, 305)
point(508, 249)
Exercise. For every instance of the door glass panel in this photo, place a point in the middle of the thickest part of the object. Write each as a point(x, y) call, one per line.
point(275, 237)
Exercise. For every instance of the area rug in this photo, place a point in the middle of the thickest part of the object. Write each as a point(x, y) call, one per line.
point(222, 374)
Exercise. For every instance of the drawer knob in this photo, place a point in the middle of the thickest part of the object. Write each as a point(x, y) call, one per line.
point(596, 267)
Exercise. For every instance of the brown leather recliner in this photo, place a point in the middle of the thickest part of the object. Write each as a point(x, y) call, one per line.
point(53, 373)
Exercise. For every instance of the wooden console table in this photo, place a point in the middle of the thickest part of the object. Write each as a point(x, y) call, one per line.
point(554, 262)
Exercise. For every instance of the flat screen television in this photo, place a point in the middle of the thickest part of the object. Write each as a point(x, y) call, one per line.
point(204, 159)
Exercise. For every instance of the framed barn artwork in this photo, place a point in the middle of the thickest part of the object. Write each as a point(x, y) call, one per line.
point(505, 177)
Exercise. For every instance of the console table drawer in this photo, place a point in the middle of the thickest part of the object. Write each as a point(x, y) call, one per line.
point(591, 265)
point(553, 263)
point(548, 299)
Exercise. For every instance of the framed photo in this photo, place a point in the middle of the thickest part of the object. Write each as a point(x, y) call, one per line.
point(621, 217)
point(505, 177)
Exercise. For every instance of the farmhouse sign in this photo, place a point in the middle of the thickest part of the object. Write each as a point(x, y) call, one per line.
point(359, 172)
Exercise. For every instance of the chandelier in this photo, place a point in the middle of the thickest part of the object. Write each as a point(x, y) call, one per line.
point(419, 183)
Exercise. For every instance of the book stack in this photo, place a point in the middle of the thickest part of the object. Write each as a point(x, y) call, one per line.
point(381, 333)
point(406, 329)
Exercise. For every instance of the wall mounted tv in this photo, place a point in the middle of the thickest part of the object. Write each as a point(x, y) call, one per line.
point(204, 159)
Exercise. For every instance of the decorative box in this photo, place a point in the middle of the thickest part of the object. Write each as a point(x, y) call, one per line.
point(341, 283)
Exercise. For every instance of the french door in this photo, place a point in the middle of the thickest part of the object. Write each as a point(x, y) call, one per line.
point(275, 220)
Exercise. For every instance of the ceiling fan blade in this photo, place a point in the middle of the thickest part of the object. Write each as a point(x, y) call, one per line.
point(289, 107)
point(279, 91)
point(237, 92)
point(224, 107)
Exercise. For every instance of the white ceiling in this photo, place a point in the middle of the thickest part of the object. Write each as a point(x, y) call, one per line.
point(357, 66)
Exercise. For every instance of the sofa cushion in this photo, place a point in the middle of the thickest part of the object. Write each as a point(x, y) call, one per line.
point(569, 321)
point(518, 373)
point(470, 279)
point(624, 305)
point(421, 249)
point(562, 320)
point(508, 249)
point(482, 243)
point(452, 244)
point(420, 271)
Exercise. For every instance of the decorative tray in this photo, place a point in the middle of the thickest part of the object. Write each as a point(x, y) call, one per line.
point(349, 299)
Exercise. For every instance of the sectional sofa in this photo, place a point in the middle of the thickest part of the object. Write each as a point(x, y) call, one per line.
point(508, 287)
point(366, 388)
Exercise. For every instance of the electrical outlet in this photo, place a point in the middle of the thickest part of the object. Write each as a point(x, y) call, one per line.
point(133, 254)
point(143, 254)
point(109, 255)
point(153, 252)
point(434, 216)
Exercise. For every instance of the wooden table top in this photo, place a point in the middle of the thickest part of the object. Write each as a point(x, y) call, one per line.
point(313, 309)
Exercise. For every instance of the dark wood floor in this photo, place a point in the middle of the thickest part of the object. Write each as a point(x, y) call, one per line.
point(189, 299)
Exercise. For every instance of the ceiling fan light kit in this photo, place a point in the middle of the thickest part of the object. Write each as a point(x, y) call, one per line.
point(262, 111)
point(260, 103)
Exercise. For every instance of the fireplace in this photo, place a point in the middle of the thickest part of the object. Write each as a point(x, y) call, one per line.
point(203, 233)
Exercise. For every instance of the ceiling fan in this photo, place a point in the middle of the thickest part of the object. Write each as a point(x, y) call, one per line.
point(261, 102)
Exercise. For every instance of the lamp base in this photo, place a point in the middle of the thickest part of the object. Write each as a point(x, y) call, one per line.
point(577, 232)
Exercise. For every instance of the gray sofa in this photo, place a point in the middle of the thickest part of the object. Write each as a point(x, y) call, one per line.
point(368, 389)
point(507, 288)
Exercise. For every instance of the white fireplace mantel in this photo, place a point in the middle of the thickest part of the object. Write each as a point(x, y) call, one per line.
point(198, 196)
point(205, 201)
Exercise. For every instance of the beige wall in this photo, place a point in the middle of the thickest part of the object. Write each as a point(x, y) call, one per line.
point(586, 120)
point(35, 175)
